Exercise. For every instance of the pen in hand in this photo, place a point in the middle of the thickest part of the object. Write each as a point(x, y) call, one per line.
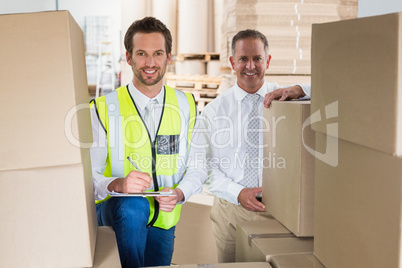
point(132, 163)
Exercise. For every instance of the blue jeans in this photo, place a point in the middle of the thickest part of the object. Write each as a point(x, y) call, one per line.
point(138, 245)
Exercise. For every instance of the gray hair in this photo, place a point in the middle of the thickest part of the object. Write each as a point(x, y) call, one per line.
point(250, 34)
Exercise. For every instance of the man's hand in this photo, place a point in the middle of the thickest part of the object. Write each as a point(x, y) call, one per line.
point(168, 203)
point(282, 94)
point(248, 201)
point(135, 182)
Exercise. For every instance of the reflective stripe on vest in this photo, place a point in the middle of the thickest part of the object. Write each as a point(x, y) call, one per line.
point(118, 114)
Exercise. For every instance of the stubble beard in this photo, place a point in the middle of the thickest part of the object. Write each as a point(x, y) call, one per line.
point(160, 71)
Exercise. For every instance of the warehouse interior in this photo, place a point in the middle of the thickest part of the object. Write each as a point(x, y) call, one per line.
point(338, 204)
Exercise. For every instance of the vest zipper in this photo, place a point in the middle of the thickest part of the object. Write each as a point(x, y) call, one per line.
point(156, 186)
point(153, 150)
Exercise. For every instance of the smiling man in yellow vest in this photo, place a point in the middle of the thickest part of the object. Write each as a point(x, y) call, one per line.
point(153, 125)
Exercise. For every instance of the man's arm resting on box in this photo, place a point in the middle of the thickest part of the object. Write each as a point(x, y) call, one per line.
point(288, 92)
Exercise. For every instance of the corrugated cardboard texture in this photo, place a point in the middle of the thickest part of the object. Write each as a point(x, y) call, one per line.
point(288, 79)
point(356, 64)
point(247, 230)
point(49, 217)
point(287, 25)
point(357, 207)
point(42, 77)
point(263, 249)
point(194, 241)
point(296, 261)
point(288, 176)
point(106, 251)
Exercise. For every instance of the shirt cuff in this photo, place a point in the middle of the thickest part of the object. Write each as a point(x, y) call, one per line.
point(234, 190)
point(103, 192)
point(188, 190)
point(304, 98)
point(307, 90)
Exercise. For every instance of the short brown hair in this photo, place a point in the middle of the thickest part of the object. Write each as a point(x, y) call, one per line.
point(147, 25)
point(250, 34)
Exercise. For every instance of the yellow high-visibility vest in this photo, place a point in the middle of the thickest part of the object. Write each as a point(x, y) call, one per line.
point(164, 159)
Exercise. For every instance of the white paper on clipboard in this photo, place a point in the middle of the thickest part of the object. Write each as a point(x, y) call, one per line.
point(143, 194)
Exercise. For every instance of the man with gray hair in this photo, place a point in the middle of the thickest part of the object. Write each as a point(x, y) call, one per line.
point(231, 127)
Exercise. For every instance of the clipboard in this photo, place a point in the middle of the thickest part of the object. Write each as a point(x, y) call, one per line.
point(143, 194)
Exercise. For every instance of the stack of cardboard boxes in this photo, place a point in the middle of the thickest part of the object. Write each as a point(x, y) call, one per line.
point(288, 192)
point(287, 25)
point(47, 200)
point(356, 103)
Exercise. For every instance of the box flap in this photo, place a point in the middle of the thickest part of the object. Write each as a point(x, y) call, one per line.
point(283, 246)
point(296, 260)
point(268, 226)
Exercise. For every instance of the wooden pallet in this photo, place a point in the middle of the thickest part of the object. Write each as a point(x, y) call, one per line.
point(195, 56)
point(197, 82)
point(201, 97)
point(203, 87)
point(202, 102)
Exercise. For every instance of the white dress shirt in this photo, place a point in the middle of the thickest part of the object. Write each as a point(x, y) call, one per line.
point(223, 123)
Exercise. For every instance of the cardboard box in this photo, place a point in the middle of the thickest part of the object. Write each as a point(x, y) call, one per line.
point(357, 79)
point(358, 207)
point(246, 231)
point(357, 189)
point(42, 80)
point(45, 171)
point(194, 242)
point(288, 177)
point(296, 260)
point(49, 217)
point(106, 251)
point(264, 249)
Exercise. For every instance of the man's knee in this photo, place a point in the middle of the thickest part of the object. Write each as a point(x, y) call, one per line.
point(118, 210)
point(133, 205)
